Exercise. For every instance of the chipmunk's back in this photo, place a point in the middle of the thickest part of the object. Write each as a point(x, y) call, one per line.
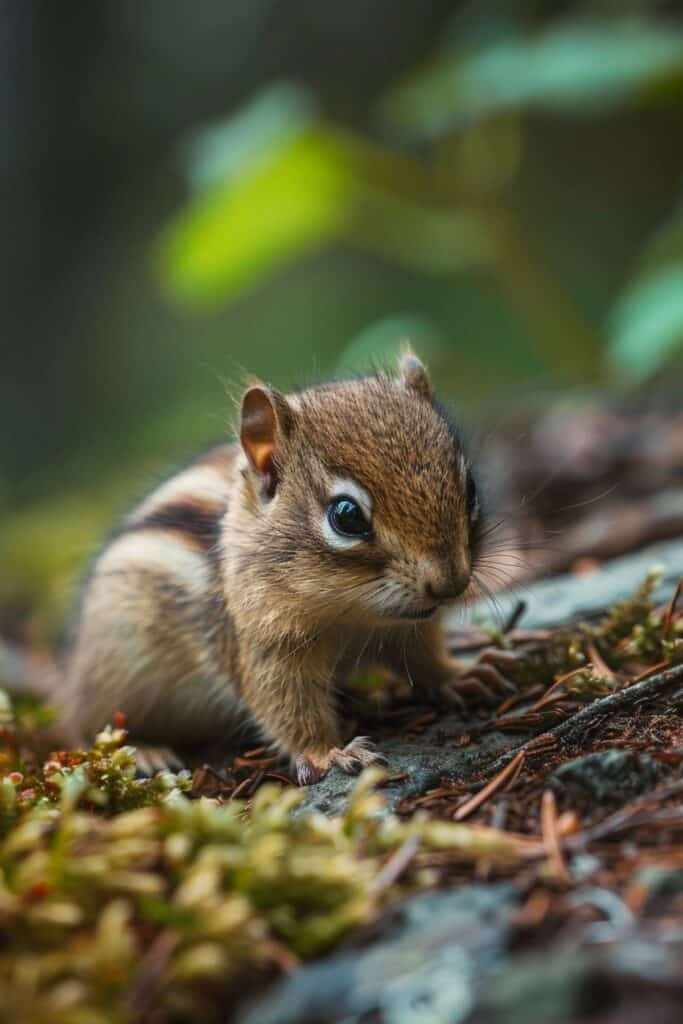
point(152, 639)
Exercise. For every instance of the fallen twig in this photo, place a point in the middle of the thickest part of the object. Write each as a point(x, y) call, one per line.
point(671, 610)
point(650, 671)
point(396, 865)
point(550, 692)
point(574, 727)
point(492, 787)
point(514, 616)
point(512, 782)
point(240, 789)
point(551, 837)
point(599, 663)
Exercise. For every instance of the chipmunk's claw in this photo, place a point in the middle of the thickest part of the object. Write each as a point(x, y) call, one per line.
point(150, 760)
point(352, 758)
point(307, 773)
point(356, 755)
point(493, 679)
point(472, 691)
point(480, 683)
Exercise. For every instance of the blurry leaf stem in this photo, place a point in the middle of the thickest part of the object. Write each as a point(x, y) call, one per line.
point(558, 331)
point(425, 203)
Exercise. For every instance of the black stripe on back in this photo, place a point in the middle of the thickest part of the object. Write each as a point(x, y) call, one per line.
point(186, 517)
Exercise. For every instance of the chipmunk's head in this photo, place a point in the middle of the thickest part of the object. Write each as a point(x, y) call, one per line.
point(365, 504)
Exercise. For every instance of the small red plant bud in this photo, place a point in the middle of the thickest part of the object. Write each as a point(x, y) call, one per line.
point(38, 891)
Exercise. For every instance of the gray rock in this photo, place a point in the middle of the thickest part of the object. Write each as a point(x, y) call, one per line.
point(427, 965)
point(663, 884)
point(536, 989)
point(584, 866)
point(608, 773)
point(564, 599)
point(424, 761)
point(632, 980)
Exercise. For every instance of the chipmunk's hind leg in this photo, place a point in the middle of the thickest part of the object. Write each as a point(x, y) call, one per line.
point(150, 760)
point(145, 648)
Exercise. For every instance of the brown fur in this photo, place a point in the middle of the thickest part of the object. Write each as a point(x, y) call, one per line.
point(222, 597)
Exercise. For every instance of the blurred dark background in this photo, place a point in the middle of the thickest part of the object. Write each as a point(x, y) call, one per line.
point(291, 188)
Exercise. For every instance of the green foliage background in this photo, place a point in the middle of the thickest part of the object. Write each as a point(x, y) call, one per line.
point(291, 190)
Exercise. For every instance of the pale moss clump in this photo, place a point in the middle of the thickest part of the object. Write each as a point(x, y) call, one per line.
point(103, 777)
point(106, 913)
point(619, 622)
point(628, 637)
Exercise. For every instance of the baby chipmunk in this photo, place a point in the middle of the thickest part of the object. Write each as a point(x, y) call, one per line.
point(251, 583)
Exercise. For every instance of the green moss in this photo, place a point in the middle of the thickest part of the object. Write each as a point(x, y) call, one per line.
point(628, 636)
point(110, 884)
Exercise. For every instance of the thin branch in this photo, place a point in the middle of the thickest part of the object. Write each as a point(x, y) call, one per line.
point(396, 865)
point(574, 728)
point(496, 783)
point(551, 837)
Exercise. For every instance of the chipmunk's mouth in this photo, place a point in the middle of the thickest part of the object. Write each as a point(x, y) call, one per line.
point(413, 614)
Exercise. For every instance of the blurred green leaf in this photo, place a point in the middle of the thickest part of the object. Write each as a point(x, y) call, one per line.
point(296, 197)
point(647, 323)
point(380, 343)
point(577, 66)
point(226, 149)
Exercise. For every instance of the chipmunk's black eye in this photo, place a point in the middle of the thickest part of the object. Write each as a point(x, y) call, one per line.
point(346, 518)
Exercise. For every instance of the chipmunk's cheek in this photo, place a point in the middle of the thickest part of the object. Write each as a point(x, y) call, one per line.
point(387, 595)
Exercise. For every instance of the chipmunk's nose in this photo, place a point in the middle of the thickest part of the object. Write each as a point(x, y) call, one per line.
point(446, 585)
point(445, 593)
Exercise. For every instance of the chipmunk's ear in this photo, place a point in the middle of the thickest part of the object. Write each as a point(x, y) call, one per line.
point(266, 418)
point(413, 373)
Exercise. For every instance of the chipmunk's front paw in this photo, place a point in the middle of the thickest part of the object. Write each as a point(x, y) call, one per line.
point(310, 768)
point(352, 758)
point(459, 686)
point(356, 755)
point(482, 684)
